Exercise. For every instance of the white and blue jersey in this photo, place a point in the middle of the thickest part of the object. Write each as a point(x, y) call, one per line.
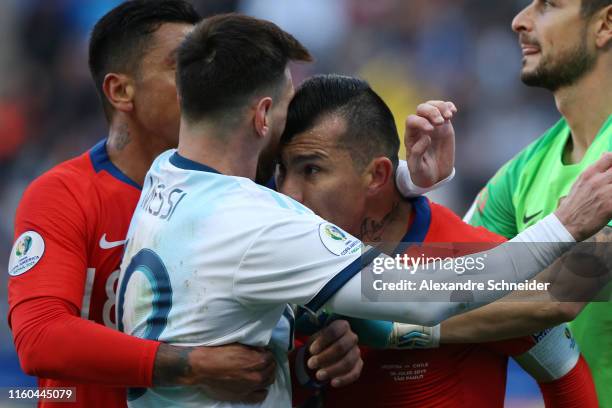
point(213, 259)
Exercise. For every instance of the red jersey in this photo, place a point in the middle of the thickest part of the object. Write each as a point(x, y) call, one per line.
point(74, 219)
point(466, 375)
point(449, 376)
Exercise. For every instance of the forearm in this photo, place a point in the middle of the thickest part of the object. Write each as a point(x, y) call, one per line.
point(502, 320)
point(179, 365)
point(172, 366)
point(514, 261)
point(53, 342)
point(521, 314)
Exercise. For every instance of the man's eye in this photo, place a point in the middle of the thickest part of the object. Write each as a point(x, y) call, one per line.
point(311, 170)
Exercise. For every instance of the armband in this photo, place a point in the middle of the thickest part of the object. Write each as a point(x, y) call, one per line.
point(554, 354)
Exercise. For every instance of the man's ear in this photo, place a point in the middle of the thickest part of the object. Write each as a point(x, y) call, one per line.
point(262, 117)
point(378, 174)
point(119, 91)
point(603, 29)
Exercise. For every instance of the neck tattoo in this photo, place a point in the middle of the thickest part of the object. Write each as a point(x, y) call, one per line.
point(372, 230)
point(121, 138)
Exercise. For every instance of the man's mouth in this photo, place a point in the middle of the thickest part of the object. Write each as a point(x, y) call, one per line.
point(529, 46)
point(529, 49)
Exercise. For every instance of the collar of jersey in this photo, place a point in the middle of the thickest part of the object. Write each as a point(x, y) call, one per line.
point(101, 161)
point(186, 164)
point(420, 226)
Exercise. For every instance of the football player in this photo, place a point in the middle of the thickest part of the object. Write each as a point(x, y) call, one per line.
point(213, 258)
point(566, 49)
point(70, 231)
point(327, 147)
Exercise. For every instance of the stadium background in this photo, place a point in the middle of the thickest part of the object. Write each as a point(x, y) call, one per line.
point(409, 50)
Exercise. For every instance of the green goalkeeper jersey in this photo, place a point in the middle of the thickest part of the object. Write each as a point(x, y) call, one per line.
point(524, 191)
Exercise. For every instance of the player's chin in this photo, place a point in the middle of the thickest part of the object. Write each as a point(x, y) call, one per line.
point(530, 63)
point(530, 75)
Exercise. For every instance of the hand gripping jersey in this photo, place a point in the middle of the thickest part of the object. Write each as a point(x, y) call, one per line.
point(461, 375)
point(69, 233)
point(528, 188)
point(213, 259)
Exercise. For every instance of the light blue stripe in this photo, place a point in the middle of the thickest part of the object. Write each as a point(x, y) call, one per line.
point(299, 207)
point(275, 196)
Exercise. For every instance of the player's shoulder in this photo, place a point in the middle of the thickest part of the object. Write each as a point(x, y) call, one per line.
point(268, 213)
point(68, 177)
point(503, 185)
point(273, 200)
point(535, 150)
point(80, 184)
point(446, 226)
point(56, 197)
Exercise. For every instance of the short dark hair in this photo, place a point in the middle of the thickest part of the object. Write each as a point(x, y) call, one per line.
point(370, 126)
point(590, 7)
point(122, 36)
point(228, 58)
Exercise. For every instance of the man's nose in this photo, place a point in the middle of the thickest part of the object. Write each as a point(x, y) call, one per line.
point(523, 21)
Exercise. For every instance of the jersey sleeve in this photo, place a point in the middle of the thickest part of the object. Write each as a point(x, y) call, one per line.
point(52, 341)
point(493, 208)
point(49, 256)
point(575, 389)
point(553, 360)
point(302, 260)
point(552, 356)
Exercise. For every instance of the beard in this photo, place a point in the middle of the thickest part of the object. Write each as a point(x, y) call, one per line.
point(567, 68)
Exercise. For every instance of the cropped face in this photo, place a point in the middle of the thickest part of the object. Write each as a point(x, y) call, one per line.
point(155, 98)
point(318, 172)
point(554, 39)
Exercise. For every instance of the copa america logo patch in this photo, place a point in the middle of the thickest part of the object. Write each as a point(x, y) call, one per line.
point(27, 251)
point(334, 232)
point(337, 241)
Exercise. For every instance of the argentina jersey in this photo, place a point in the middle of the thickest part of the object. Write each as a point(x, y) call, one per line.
point(213, 259)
